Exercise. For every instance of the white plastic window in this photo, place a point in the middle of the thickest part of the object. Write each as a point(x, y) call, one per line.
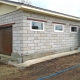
point(37, 26)
point(58, 27)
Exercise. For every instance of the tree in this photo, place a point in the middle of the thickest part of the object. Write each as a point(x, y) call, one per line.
point(25, 2)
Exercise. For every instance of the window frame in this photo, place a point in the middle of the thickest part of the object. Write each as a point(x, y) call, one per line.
point(58, 30)
point(72, 31)
point(35, 29)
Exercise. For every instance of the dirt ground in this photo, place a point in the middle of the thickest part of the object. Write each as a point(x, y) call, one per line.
point(40, 70)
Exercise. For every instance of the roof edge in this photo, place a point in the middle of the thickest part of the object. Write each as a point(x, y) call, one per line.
point(49, 13)
point(39, 10)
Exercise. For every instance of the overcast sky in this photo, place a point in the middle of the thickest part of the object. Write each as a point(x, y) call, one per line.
point(71, 7)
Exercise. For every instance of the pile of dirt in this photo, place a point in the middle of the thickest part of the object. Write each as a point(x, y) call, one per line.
point(1, 63)
point(43, 69)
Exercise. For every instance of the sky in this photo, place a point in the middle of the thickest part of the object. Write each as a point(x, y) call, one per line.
point(71, 7)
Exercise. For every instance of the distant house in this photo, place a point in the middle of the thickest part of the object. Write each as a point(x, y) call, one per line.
point(27, 30)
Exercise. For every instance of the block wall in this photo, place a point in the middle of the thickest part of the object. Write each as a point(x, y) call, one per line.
point(48, 40)
point(28, 42)
point(17, 29)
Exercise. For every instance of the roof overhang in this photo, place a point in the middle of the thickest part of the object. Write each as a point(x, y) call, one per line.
point(49, 13)
point(41, 11)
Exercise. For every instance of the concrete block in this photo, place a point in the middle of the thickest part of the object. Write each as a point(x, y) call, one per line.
point(30, 38)
point(30, 44)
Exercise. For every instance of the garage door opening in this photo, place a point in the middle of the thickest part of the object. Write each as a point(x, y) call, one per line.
point(6, 40)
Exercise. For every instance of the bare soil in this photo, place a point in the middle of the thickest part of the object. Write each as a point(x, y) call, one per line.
point(43, 69)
